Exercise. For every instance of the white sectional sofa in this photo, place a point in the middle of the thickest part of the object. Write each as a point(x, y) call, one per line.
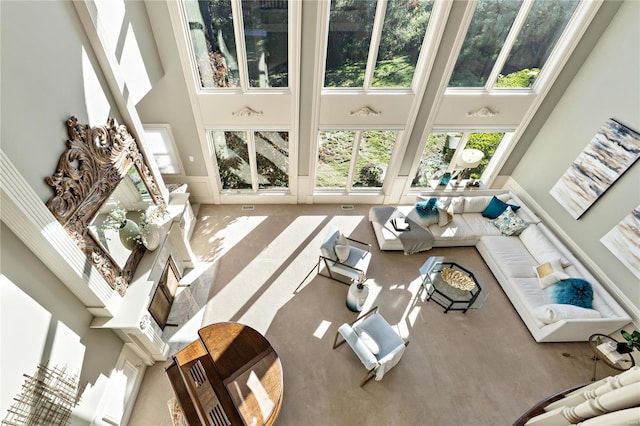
point(512, 260)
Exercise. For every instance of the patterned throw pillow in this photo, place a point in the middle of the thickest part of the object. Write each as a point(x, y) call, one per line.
point(508, 223)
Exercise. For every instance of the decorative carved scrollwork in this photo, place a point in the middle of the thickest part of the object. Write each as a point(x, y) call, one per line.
point(365, 111)
point(247, 112)
point(482, 112)
point(92, 166)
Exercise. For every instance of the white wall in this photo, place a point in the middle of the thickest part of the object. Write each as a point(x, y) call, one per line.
point(49, 73)
point(607, 86)
point(42, 321)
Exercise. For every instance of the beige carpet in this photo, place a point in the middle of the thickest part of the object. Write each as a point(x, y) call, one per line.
point(478, 368)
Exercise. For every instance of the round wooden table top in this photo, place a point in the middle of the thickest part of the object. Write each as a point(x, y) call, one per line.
point(249, 368)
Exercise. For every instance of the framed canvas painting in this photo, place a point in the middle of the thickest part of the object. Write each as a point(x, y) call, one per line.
point(611, 152)
point(624, 241)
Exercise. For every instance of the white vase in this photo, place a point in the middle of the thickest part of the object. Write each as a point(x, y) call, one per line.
point(151, 236)
point(129, 234)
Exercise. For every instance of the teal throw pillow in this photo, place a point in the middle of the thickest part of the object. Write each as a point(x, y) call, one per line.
point(496, 207)
point(571, 291)
point(427, 209)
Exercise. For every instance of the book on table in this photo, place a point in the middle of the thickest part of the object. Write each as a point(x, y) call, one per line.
point(400, 224)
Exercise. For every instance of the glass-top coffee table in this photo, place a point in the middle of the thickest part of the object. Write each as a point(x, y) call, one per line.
point(458, 294)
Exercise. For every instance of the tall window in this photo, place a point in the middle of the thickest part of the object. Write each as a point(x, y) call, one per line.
point(257, 160)
point(257, 57)
point(350, 159)
point(400, 35)
point(489, 58)
point(442, 150)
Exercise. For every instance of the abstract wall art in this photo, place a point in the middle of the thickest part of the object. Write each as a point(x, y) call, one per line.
point(611, 152)
point(624, 241)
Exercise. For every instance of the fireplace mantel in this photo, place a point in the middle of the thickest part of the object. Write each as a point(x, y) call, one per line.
point(132, 320)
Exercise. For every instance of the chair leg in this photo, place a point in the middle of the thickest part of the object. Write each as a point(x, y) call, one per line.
point(335, 341)
point(367, 377)
point(307, 276)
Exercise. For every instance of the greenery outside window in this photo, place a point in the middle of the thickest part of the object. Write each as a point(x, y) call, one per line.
point(352, 160)
point(251, 160)
point(509, 41)
point(365, 50)
point(442, 148)
point(257, 58)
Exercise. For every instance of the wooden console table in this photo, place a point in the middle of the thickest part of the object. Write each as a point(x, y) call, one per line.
point(229, 376)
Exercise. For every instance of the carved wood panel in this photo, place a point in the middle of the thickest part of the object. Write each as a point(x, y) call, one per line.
point(89, 170)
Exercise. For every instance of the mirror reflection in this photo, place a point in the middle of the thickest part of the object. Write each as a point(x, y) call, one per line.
point(117, 225)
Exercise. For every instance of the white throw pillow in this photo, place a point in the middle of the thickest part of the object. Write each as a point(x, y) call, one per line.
point(342, 251)
point(445, 214)
point(476, 204)
point(550, 273)
point(342, 240)
point(555, 312)
point(368, 341)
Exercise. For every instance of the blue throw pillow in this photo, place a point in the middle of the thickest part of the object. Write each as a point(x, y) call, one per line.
point(427, 209)
point(571, 291)
point(496, 207)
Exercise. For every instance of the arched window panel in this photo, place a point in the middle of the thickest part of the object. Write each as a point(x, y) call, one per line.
point(353, 160)
point(443, 151)
point(509, 41)
point(540, 33)
point(404, 28)
point(488, 30)
point(251, 52)
point(375, 44)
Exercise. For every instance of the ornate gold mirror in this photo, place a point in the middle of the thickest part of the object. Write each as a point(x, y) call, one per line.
point(101, 171)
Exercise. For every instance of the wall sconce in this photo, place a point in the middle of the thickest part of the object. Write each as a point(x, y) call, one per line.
point(469, 159)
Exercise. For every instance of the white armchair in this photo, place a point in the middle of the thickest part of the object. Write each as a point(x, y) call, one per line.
point(378, 346)
point(351, 262)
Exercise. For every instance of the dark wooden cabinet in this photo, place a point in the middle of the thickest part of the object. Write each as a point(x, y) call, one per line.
point(229, 376)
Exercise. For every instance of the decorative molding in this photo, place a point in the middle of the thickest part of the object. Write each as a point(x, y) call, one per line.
point(482, 112)
point(90, 169)
point(365, 111)
point(247, 112)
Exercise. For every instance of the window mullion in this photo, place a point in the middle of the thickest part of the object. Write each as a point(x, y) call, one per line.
point(238, 28)
point(354, 159)
point(374, 45)
point(509, 42)
point(251, 147)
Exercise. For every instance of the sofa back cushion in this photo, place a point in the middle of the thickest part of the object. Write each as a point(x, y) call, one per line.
point(540, 247)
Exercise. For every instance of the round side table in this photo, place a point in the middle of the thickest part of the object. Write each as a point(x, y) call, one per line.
point(356, 296)
point(604, 349)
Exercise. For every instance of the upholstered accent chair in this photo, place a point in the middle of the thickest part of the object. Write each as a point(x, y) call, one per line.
point(378, 346)
point(344, 257)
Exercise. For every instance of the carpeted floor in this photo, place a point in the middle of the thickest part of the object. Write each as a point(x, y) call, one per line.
point(478, 368)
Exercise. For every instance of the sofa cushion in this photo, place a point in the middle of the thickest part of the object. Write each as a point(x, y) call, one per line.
point(540, 247)
point(551, 313)
point(550, 273)
point(496, 207)
point(508, 223)
point(480, 225)
point(515, 260)
point(571, 291)
point(476, 204)
point(455, 230)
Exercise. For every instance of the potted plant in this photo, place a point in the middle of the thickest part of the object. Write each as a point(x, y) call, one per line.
point(632, 342)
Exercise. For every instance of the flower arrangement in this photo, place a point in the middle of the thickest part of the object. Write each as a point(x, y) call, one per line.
point(152, 216)
point(116, 219)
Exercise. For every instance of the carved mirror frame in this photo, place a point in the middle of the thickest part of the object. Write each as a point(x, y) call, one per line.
point(90, 169)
